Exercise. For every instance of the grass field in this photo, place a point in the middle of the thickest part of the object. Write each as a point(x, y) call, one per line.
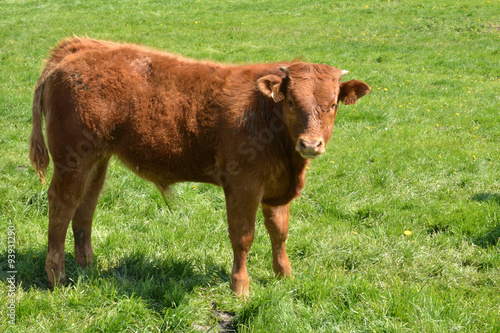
point(397, 229)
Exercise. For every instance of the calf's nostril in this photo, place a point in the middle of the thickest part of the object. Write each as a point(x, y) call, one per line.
point(302, 144)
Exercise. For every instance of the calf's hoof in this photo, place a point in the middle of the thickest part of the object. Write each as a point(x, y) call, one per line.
point(240, 286)
point(56, 278)
point(84, 261)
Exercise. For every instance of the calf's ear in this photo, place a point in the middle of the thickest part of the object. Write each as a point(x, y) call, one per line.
point(351, 91)
point(270, 85)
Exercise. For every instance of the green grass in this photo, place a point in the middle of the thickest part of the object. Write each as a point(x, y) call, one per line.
point(419, 154)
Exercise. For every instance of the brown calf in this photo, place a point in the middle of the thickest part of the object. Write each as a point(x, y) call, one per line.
point(250, 129)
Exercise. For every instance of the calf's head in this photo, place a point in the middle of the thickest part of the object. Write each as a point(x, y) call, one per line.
point(310, 94)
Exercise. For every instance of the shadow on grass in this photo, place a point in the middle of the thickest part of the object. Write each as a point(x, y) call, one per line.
point(161, 283)
point(29, 268)
point(492, 237)
point(485, 197)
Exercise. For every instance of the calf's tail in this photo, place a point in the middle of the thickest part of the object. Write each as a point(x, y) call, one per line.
point(39, 156)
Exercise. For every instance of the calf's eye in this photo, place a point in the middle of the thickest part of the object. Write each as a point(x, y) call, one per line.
point(330, 108)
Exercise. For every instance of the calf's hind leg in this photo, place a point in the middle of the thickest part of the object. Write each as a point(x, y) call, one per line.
point(65, 191)
point(82, 220)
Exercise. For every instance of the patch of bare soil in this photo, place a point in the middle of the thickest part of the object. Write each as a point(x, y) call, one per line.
point(224, 322)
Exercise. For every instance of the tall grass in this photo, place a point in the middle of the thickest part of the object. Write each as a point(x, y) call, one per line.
point(397, 229)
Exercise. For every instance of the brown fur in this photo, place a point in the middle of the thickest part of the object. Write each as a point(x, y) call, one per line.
point(250, 129)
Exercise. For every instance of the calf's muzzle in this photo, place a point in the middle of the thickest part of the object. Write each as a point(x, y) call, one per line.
point(310, 147)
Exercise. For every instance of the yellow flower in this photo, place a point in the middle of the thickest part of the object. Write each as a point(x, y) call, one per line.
point(408, 233)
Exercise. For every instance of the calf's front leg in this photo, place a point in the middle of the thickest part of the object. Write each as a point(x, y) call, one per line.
point(241, 212)
point(276, 222)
